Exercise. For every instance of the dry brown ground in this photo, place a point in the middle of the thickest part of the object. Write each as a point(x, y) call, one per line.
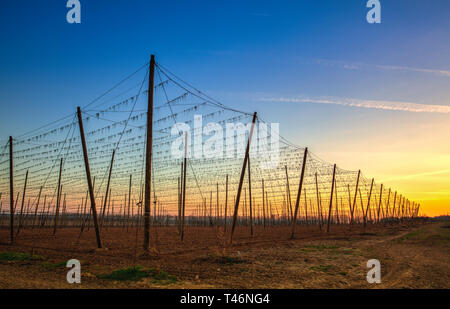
point(415, 256)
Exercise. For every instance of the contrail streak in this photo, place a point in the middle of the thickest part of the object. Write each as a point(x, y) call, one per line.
point(376, 104)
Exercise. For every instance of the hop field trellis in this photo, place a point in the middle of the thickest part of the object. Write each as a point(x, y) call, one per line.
point(49, 177)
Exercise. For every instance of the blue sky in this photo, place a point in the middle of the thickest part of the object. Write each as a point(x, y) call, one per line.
point(244, 53)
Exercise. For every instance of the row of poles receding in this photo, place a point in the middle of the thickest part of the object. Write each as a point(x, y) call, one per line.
point(410, 210)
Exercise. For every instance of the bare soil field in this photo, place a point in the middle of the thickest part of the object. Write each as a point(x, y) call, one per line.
point(415, 256)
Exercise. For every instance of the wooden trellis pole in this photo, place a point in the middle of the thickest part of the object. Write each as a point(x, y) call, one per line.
point(11, 190)
point(289, 194)
point(354, 198)
point(362, 204)
point(184, 186)
point(250, 197)
point(226, 204)
point(331, 198)
point(263, 204)
point(319, 209)
point(148, 153)
point(297, 202)
point(393, 206)
point(379, 204)
point(58, 199)
point(107, 187)
point(368, 204)
point(336, 199)
point(129, 202)
point(41, 219)
point(179, 201)
point(89, 180)
point(36, 209)
point(306, 202)
point(23, 201)
point(388, 203)
point(241, 180)
point(217, 203)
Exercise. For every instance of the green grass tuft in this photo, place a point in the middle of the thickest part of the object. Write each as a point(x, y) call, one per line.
point(54, 265)
point(18, 256)
point(323, 268)
point(322, 247)
point(222, 259)
point(414, 235)
point(137, 273)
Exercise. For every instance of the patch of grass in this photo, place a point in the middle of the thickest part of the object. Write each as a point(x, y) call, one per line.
point(322, 268)
point(222, 259)
point(330, 248)
point(368, 234)
point(137, 273)
point(162, 276)
point(410, 236)
point(347, 251)
point(322, 247)
point(54, 265)
point(18, 256)
point(442, 237)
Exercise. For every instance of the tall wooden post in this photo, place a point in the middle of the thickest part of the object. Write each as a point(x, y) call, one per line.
point(63, 219)
point(306, 202)
point(354, 198)
point(148, 153)
point(58, 199)
point(319, 208)
point(23, 201)
point(210, 208)
point(89, 180)
point(129, 202)
point(290, 215)
point(387, 203)
point(393, 206)
point(264, 208)
point(331, 199)
point(379, 204)
point(241, 180)
point(250, 197)
point(40, 222)
point(297, 202)
point(226, 204)
point(217, 204)
point(184, 187)
point(107, 187)
point(368, 204)
point(37, 206)
point(180, 185)
point(11, 190)
point(336, 199)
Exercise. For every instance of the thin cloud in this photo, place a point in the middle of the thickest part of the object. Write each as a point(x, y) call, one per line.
point(374, 104)
point(445, 171)
point(359, 65)
point(443, 73)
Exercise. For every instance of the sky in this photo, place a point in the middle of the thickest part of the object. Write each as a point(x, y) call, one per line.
point(365, 96)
